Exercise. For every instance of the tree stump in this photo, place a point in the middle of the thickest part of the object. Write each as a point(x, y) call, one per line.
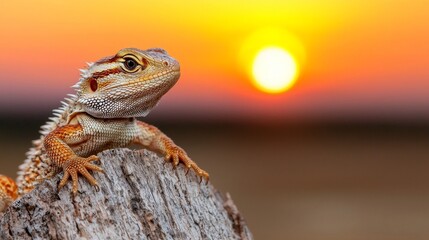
point(139, 197)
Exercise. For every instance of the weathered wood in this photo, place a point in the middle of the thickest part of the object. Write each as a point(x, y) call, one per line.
point(139, 197)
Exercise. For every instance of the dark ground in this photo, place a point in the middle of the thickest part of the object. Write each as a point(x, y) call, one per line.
point(291, 181)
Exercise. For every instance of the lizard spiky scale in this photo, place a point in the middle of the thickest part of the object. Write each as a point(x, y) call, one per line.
point(100, 117)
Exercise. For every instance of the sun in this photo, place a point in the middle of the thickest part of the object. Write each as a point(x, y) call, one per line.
point(272, 58)
point(274, 70)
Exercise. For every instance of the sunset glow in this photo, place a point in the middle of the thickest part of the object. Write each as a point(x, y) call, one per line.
point(353, 57)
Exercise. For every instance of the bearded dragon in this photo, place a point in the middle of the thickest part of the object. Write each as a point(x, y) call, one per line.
point(110, 94)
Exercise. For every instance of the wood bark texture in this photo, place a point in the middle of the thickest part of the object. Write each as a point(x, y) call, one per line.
point(139, 197)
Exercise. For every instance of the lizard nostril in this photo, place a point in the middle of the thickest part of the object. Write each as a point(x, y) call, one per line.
point(165, 63)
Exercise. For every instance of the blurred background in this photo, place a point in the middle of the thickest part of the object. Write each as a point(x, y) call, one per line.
point(314, 115)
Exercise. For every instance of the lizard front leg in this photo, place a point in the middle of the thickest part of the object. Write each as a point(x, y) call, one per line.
point(58, 147)
point(152, 138)
point(8, 192)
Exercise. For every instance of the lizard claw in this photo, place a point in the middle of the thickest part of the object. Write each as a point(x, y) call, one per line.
point(177, 155)
point(79, 165)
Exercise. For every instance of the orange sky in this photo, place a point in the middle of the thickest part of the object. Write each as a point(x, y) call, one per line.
point(364, 59)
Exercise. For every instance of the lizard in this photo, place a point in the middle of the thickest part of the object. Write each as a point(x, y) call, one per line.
point(110, 94)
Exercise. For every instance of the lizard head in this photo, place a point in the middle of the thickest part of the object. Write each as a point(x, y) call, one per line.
point(128, 84)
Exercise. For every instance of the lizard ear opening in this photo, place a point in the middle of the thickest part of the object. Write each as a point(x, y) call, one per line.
point(93, 84)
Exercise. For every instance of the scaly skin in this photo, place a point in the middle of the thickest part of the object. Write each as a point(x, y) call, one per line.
point(111, 93)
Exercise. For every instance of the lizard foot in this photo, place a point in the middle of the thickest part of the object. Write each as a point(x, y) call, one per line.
point(79, 165)
point(177, 155)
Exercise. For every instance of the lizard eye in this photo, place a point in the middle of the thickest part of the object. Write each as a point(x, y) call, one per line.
point(130, 64)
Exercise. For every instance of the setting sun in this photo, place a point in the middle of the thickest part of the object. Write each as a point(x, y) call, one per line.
point(274, 70)
point(272, 58)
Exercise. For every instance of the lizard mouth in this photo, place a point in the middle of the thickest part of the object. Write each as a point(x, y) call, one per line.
point(133, 98)
point(155, 81)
